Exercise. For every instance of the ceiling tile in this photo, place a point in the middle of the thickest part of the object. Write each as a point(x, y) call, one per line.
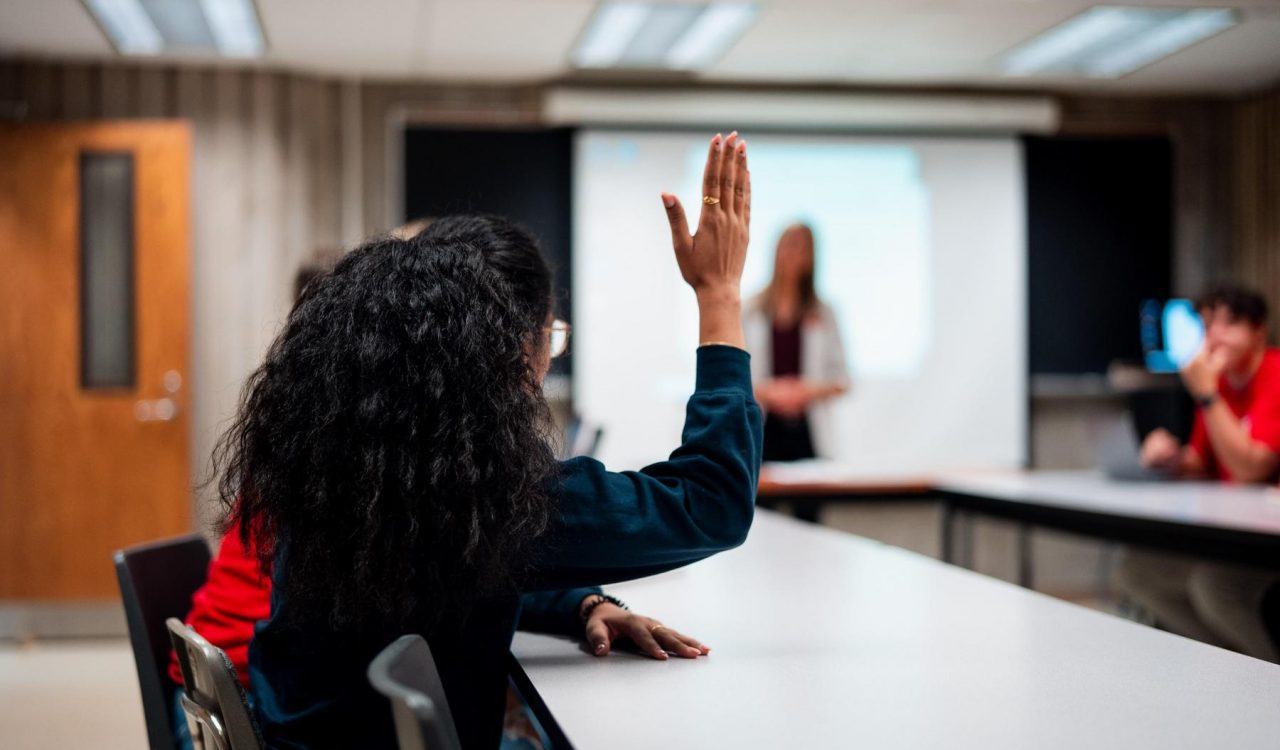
point(892, 42)
point(49, 28)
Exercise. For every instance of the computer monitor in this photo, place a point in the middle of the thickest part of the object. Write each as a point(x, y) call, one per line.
point(1171, 333)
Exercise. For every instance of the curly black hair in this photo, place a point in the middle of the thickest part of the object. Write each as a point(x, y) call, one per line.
point(393, 446)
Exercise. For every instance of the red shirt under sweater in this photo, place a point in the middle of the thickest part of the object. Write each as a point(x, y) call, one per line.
point(1257, 406)
point(233, 599)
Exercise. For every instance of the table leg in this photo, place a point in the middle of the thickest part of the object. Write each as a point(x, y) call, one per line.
point(948, 521)
point(807, 511)
point(969, 522)
point(1025, 572)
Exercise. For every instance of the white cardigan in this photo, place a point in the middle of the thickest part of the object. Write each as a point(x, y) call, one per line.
point(821, 360)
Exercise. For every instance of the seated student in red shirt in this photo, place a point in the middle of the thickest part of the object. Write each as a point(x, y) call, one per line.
point(236, 596)
point(1235, 381)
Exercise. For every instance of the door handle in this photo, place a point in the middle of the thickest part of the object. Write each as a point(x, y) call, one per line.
point(161, 409)
point(172, 381)
point(156, 410)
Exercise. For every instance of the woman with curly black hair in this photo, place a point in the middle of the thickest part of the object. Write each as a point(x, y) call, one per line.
point(392, 459)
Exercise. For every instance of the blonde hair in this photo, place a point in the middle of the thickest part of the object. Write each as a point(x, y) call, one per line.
point(808, 290)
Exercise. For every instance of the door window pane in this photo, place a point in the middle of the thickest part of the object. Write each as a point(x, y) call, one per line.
point(106, 270)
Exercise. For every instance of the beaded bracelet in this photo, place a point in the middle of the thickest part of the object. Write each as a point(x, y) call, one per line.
point(601, 599)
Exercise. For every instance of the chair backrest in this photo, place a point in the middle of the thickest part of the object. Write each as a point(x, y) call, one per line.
point(582, 438)
point(212, 696)
point(1271, 613)
point(406, 673)
point(156, 583)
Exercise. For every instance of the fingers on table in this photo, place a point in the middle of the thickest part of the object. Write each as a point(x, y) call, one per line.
point(598, 637)
point(680, 644)
point(646, 641)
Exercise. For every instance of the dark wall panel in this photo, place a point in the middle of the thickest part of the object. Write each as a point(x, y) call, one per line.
point(1100, 240)
point(523, 174)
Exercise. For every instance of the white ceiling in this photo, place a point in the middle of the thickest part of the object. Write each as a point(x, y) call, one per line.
point(869, 42)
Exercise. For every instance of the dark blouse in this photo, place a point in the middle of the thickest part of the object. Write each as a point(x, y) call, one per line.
point(309, 681)
point(786, 349)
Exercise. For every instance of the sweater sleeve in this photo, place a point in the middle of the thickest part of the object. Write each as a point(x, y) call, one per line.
point(554, 611)
point(615, 526)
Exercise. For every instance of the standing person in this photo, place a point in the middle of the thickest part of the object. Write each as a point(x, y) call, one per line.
point(1235, 381)
point(798, 362)
point(391, 458)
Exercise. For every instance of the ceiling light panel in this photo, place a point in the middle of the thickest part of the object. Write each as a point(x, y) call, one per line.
point(235, 27)
point(228, 28)
point(642, 35)
point(1112, 41)
point(127, 25)
point(711, 36)
point(662, 28)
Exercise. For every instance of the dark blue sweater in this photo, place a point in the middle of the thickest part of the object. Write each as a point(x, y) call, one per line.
point(309, 681)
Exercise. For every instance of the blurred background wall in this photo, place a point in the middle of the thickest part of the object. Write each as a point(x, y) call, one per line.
point(288, 167)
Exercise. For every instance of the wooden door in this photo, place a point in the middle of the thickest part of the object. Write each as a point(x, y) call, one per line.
point(94, 414)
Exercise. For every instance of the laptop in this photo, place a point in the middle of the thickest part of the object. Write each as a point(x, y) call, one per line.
point(1118, 454)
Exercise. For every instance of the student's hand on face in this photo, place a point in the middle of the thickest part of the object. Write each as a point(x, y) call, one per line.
point(1160, 450)
point(1201, 374)
point(609, 622)
point(711, 260)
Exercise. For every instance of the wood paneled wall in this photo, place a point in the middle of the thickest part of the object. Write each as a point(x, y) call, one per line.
point(388, 107)
point(266, 195)
point(1227, 182)
point(1196, 127)
point(289, 166)
point(1255, 252)
point(286, 168)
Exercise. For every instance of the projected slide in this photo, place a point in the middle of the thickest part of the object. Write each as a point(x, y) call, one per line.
point(869, 211)
point(920, 253)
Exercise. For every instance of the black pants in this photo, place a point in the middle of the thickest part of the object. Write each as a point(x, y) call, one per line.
point(787, 438)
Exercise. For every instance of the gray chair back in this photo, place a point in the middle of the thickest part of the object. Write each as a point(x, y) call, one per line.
point(157, 581)
point(582, 438)
point(212, 697)
point(406, 673)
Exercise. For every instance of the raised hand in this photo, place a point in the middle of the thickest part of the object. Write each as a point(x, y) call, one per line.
point(711, 259)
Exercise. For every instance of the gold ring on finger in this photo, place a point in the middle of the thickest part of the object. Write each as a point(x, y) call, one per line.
point(655, 628)
point(710, 200)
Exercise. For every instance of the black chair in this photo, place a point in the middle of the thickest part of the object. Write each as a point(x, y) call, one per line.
point(1271, 613)
point(212, 698)
point(156, 583)
point(406, 673)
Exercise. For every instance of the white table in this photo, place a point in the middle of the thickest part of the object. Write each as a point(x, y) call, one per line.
point(821, 639)
point(1234, 523)
point(807, 486)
